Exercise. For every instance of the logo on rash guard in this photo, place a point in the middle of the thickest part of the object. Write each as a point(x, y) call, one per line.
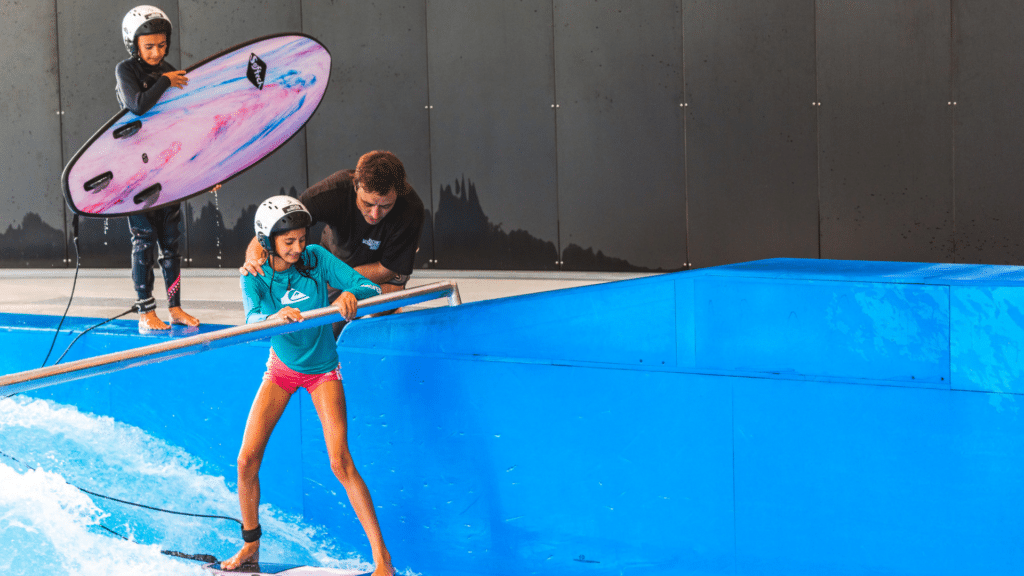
point(373, 244)
point(292, 296)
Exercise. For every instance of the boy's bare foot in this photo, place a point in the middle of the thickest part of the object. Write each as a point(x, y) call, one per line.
point(250, 552)
point(179, 316)
point(150, 321)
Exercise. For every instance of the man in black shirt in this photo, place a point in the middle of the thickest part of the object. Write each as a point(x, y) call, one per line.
point(373, 219)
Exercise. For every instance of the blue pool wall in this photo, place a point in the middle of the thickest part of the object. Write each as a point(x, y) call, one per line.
point(774, 417)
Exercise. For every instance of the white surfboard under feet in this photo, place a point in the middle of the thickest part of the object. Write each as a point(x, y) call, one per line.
point(283, 570)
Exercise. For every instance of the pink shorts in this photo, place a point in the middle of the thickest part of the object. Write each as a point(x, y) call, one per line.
point(290, 381)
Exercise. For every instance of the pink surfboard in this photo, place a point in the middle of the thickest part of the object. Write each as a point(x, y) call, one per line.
point(239, 106)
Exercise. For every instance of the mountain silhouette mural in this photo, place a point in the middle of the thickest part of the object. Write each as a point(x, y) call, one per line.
point(33, 244)
point(459, 236)
point(467, 239)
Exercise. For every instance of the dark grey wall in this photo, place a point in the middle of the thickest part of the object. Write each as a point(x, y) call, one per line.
point(618, 71)
point(885, 130)
point(220, 224)
point(751, 170)
point(556, 134)
point(378, 97)
point(988, 150)
point(492, 134)
point(32, 218)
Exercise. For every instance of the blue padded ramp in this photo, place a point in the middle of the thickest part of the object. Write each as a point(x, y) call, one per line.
point(774, 417)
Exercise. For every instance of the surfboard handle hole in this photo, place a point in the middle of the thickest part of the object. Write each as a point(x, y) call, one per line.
point(146, 194)
point(98, 183)
point(128, 129)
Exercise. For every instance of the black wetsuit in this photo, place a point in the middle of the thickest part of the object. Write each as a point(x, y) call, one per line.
point(139, 87)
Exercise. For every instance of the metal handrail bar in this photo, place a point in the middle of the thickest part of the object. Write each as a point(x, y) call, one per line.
point(178, 347)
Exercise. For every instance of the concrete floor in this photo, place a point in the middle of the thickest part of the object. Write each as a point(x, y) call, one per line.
point(214, 296)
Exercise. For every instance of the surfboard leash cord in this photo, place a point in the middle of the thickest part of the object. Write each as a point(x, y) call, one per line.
point(74, 282)
point(134, 308)
point(208, 558)
point(78, 265)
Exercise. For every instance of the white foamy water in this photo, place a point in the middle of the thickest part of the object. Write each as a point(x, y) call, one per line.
point(49, 527)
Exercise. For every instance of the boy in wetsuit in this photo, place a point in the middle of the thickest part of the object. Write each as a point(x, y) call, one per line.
point(141, 80)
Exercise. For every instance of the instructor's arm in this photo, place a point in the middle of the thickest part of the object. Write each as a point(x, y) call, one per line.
point(375, 272)
point(255, 256)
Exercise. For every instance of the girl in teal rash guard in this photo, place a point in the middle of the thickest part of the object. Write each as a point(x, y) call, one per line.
point(295, 280)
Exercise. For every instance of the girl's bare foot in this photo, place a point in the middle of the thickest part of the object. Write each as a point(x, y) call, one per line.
point(150, 321)
point(250, 552)
point(179, 316)
point(384, 567)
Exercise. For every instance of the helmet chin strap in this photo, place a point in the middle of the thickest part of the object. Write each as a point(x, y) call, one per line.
point(271, 254)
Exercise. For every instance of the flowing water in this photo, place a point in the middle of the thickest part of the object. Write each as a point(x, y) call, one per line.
point(49, 527)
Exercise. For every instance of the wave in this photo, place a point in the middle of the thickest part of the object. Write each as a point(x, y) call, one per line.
point(47, 526)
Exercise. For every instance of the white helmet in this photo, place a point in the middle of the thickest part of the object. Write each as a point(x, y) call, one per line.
point(143, 20)
point(279, 214)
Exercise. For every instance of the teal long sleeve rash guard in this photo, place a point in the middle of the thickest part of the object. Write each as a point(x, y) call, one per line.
point(309, 351)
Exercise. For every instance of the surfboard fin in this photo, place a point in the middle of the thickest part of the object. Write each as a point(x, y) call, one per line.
point(128, 129)
point(149, 195)
point(99, 182)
